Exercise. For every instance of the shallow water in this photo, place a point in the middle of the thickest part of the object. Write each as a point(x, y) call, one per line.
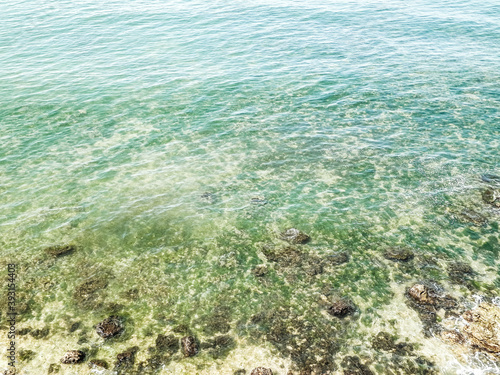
point(173, 143)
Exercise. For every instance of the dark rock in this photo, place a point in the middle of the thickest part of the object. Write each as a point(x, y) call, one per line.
point(11, 371)
point(426, 298)
point(60, 250)
point(310, 348)
point(130, 294)
point(383, 341)
point(240, 372)
point(218, 322)
point(98, 363)
point(220, 346)
point(460, 273)
point(287, 257)
point(40, 333)
point(460, 268)
point(398, 254)
point(54, 368)
point(74, 327)
point(386, 342)
point(73, 356)
point(261, 371)
point(259, 271)
point(91, 286)
point(189, 346)
point(26, 355)
point(473, 217)
point(352, 366)
point(491, 197)
point(312, 265)
point(24, 331)
point(110, 327)
point(151, 365)
point(428, 294)
point(168, 344)
point(341, 308)
point(337, 259)
point(294, 236)
point(126, 360)
point(182, 329)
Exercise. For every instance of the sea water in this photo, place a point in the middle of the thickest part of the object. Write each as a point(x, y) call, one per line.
point(171, 142)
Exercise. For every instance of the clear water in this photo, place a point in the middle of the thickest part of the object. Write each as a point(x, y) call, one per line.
point(141, 131)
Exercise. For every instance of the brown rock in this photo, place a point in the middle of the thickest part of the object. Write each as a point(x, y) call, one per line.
point(73, 356)
point(261, 371)
point(453, 337)
point(98, 363)
point(341, 308)
point(399, 254)
point(483, 328)
point(189, 346)
point(294, 236)
point(60, 250)
point(109, 327)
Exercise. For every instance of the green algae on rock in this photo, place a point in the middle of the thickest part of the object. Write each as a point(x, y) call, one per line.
point(57, 251)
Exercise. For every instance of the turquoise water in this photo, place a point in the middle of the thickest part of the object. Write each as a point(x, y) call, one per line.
point(172, 143)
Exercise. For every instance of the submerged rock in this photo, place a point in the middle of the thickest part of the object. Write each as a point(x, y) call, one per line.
point(26, 355)
point(483, 327)
point(491, 197)
point(85, 293)
point(189, 346)
point(40, 333)
point(473, 217)
point(337, 259)
point(490, 178)
point(426, 298)
point(151, 365)
point(352, 366)
point(261, 371)
point(54, 368)
point(110, 327)
point(294, 236)
point(341, 308)
point(428, 294)
point(168, 344)
point(259, 271)
point(218, 321)
point(98, 364)
point(460, 273)
point(60, 250)
point(220, 346)
point(386, 342)
point(287, 257)
point(126, 360)
point(398, 254)
point(73, 356)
